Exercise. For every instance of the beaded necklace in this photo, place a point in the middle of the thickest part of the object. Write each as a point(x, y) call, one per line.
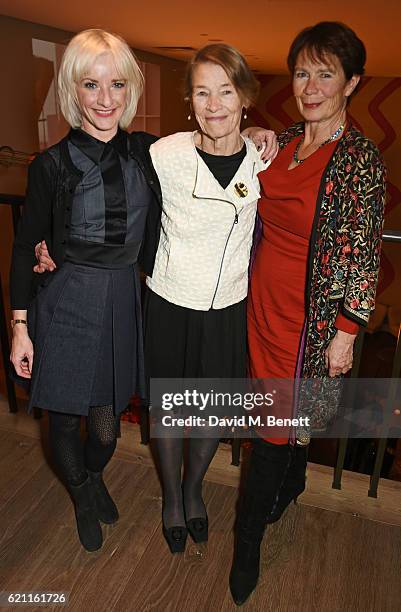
point(330, 139)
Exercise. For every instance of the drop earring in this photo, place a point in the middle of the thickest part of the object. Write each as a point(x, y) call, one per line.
point(245, 115)
point(189, 117)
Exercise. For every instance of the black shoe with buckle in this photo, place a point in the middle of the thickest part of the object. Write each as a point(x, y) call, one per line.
point(198, 529)
point(176, 538)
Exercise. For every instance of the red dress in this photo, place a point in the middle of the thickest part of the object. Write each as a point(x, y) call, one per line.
point(276, 301)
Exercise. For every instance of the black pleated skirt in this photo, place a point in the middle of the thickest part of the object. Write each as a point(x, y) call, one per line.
point(86, 328)
point(185, 343)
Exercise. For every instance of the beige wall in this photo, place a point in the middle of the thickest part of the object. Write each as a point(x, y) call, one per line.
point(18, 127)
point(18, 116)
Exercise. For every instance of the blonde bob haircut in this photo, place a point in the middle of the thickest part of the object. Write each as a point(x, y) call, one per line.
point(78, 58)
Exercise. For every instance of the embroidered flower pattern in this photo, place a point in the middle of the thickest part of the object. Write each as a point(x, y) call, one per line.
point(345, 255)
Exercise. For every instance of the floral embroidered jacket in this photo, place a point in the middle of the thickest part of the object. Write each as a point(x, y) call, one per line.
point(345, 243)
point(344, 255)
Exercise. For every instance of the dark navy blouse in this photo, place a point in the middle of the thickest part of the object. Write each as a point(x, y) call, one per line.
point(110, 202)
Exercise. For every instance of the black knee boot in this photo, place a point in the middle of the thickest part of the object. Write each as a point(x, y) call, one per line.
point(106, 510)
point(294, 483)
point(89, 530)
point(267, 471)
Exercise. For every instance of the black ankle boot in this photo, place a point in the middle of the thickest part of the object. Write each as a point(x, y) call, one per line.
point(89, 530)
point(106, 510)
point(294, 483)
point(268, 467)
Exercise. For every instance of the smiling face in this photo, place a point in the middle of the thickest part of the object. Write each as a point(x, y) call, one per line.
point(102, 96)
point(321, 89)
point(215, 102)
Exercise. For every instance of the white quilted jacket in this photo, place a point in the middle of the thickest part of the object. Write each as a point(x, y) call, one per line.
point(206, 234)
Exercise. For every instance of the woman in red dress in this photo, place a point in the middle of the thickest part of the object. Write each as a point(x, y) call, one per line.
point(321, 213)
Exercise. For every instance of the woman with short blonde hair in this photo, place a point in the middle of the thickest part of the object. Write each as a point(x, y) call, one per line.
point(79, 56)
point(79, 339)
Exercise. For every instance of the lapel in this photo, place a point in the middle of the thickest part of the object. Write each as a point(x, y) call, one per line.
point(242, 189)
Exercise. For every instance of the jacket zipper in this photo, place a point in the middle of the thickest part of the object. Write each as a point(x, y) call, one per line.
point(228, 238)
point(229, 234)
point(222, 259)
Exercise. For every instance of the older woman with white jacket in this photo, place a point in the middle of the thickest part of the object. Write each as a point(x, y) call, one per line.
point(195, 315)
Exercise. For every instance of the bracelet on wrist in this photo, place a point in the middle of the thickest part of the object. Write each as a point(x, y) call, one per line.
point(15, 322)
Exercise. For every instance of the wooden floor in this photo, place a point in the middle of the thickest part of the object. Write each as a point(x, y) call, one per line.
point(314, 559)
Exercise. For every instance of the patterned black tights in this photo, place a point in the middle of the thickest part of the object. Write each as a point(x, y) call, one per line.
point(73, 457)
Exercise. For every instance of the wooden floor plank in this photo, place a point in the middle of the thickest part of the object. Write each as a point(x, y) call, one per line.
point(51, 555)
point(20, 457)
point(195, 580)
point(137, 493)
point(27, 495)
point(320, 560)
point(352, 499)
point(314, 559)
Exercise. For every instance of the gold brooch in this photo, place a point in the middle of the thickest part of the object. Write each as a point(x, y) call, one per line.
point(241, 190)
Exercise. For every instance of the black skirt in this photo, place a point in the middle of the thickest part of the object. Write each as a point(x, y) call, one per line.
point(185, 343)
point(87, 333)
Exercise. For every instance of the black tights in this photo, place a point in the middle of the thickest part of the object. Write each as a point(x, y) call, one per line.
point(186, 494)
point(73, 457)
